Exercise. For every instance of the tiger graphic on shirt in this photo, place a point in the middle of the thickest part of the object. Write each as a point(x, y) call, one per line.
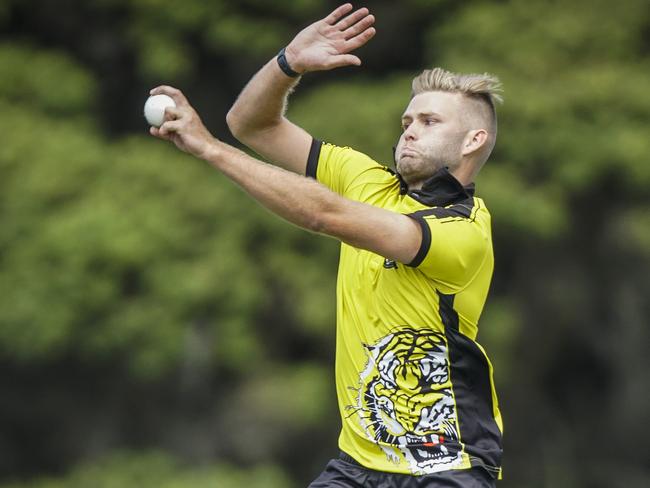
point(405, 401)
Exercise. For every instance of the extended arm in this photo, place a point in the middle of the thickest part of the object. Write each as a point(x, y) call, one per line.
point(312, 206)
point(257, 117)
point(300, 200)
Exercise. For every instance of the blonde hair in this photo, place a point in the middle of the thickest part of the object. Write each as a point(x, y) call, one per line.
point(485, 86)
point(483, 90)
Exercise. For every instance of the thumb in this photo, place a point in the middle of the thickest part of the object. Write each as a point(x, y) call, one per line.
point(344, 60)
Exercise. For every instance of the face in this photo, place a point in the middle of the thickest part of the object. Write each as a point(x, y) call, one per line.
point(432, 137)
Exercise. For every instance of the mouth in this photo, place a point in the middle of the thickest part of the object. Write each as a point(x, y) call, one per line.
point(408, 152)
point(433, 452)
point(440, 455)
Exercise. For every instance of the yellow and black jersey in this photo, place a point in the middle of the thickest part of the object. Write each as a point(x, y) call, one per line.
point(415, 389)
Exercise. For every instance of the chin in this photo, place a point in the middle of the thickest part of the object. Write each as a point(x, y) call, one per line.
point(409, 168)
point(406, 165)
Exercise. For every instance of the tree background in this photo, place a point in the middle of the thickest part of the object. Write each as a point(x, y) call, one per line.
point(158, 328)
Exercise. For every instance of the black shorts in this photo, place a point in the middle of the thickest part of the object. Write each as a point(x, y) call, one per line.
point(345, 472)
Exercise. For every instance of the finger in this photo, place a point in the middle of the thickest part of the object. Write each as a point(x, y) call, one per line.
point(170, 127)
point(155, 131)
point(352, 19)
point(344, 60)
point(359, 27)
point(339, 12)
point(161, 89)
point(172, 92)
point(173, 113)
point(360, 40)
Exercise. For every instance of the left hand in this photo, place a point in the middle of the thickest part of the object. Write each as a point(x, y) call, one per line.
point(327, 43)
point(182, 125)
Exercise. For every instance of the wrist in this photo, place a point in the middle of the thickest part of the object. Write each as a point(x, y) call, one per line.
point(212, 152)
point(288, 63)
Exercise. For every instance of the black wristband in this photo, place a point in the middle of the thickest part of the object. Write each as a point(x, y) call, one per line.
point(284, 65)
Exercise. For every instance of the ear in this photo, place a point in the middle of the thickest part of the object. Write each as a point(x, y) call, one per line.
point(474, 140)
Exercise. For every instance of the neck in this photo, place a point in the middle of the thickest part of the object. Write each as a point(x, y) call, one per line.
point(464, 174)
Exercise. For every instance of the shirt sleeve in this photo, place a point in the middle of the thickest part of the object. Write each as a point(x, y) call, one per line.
point(452, 250)
point(345, 171)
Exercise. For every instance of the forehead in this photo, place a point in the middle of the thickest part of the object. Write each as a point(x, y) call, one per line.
point(442, 103)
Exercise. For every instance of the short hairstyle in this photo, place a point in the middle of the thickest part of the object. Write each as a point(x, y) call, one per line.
point(483, 89)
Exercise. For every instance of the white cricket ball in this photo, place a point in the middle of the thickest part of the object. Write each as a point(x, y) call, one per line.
point(154, 109)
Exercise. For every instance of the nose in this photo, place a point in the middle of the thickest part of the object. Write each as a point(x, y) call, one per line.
point(410, 133)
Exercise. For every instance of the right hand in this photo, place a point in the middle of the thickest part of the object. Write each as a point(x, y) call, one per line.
point(326, 44)
point(182, 125)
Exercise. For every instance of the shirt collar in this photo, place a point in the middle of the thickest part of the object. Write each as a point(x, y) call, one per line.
point(440, 190)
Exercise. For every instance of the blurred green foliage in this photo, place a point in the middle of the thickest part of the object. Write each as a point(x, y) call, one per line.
point(147, 304)
point(23, 82)
point(158, 470)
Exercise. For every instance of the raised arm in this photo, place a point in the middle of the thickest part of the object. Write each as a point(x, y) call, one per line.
point(300, 200)
point(257, 117)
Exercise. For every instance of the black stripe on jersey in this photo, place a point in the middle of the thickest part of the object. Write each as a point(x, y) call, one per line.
point(470, 377)
point(448, 315)
point(424, 245)
point(462, 210)
point(312, 159)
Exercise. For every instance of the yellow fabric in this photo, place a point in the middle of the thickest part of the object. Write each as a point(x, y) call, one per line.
point(390, 334)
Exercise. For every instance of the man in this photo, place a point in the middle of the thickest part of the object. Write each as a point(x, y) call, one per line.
point(415, 390)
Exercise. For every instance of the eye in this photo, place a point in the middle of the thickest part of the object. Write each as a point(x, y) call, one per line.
point(405, 125)
point(430, 121)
